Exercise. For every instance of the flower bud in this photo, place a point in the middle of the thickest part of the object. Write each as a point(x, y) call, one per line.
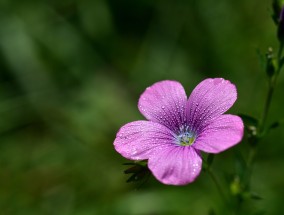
point(235, 186)
point(280, 31)
point(276, 8)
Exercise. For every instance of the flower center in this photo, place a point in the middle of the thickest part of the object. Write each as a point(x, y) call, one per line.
point(185, 137)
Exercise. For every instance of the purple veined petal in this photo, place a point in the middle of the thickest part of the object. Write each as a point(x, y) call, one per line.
point(164, 102)
point(176, 165)
point(140, 139)
point(223, 133)
point(209, 99)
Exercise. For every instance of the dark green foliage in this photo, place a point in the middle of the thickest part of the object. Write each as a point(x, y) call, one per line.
point(71, 73)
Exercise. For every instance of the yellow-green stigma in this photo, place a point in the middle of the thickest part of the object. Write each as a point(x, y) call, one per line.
point(185, 139)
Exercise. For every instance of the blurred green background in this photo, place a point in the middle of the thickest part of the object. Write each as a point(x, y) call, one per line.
point(71, 73)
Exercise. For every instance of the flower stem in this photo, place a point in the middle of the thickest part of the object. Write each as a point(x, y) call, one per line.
point(263, 120)
point(262, 125)
point(267, 106)
point(217, 183)
point(272, 84)
point(251, 155)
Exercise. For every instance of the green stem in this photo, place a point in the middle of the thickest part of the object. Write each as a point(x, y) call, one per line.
point(272, 84)
point(251, 155)
point(217, 183)
point(280, 51)
point(267, 106)
point(271, 87)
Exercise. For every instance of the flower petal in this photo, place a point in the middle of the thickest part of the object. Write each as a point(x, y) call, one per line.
point(176, 165)
point(225, 132)
point(140, 139)
point(209, 99)
point(164, 102)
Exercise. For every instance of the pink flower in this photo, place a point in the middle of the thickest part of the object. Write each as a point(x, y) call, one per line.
point(179, 128)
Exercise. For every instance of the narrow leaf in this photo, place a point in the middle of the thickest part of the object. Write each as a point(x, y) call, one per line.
point(249, 120)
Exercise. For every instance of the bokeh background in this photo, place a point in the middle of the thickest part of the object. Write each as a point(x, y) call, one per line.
point(71, 73)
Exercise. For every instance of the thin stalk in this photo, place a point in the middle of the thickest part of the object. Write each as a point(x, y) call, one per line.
point(266, 106)
point(217, 183)
point(251, 155)
point(280, 51)
point(272, 84)
point(263, 119)
point(271, 87)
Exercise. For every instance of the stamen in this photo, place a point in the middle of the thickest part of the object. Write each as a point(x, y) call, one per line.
point(185, 137)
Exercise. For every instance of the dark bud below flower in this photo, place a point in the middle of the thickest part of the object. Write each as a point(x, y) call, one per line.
point(276, 7)
point(280, 30)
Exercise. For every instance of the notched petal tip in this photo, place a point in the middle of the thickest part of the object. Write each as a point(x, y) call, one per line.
point(223, 83)
point(164, 102)
point(209, 100)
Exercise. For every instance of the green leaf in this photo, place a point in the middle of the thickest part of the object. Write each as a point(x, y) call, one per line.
point(139, 171)
point(210, 159)
point(249, 120)
point(133, 169)
point(276, 124)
